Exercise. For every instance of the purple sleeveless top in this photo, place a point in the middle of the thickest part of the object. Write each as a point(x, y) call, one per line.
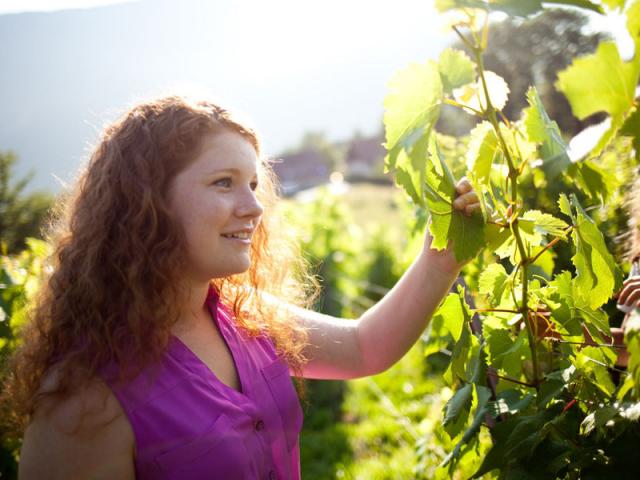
point(189, 425)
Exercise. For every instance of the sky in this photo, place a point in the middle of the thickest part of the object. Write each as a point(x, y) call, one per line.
point(287, 66)
point(17, 6)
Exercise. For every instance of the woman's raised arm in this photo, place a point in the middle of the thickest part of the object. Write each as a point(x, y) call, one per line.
point(342, 349)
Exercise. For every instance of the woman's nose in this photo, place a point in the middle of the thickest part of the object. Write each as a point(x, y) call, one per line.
point(249, 206)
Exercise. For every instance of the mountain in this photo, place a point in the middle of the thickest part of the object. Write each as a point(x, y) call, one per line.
point(288, 66)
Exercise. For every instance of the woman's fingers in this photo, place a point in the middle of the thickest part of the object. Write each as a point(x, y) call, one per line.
point(463, 186)
point(630, 292)
point(467, 202)
point(471, 209)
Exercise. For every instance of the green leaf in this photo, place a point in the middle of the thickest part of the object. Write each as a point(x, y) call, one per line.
point(592, 362)
point(574, 309)
point(614, 4)
point(510, 401)
point(448, 224)
point(457, 410)
point(631, 127)
point(513, 439)
point(505, 353)
point(456, 69)
point(545, 224)
point(492, 282)
point(483, 394)
point(464, 357)
point(597, 419)
point(598, 275)
point(412, 107)
point(542, 130)
point(473, 94)
point(496, 236)
point(410, 181)
point(633, 24)
point(454, 313)
point(592, 180)
point(483, 151)
point(601, 82)
point(563, 313)
point(564, 204)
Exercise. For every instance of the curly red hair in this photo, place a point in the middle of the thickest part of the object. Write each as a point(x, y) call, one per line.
point(112, 289)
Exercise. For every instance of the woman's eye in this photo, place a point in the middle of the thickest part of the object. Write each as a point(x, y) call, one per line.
point(223, 182)
point(254, 186)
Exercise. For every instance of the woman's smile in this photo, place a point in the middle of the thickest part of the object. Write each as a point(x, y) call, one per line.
point(214, 200)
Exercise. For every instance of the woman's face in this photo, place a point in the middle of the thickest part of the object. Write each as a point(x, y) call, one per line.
point(214, 201)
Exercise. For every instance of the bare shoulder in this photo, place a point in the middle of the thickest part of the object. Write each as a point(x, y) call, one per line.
point(84, 436)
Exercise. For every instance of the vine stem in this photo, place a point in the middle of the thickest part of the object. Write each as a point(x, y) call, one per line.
point(489, 310)
point(513, 177)
point(512, 380)
point(448, 101)
point(550, 244)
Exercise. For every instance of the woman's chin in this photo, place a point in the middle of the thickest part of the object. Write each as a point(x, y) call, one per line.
point(238, 269)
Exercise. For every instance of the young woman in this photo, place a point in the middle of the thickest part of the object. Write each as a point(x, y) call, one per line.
point(164, 338)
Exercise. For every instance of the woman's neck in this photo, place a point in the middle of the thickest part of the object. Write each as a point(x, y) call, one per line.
point(194, 311)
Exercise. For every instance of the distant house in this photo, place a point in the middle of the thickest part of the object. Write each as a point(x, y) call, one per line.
point(365, 157)
point(301, 170)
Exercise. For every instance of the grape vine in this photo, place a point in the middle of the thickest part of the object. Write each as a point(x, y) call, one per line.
point(537, 374)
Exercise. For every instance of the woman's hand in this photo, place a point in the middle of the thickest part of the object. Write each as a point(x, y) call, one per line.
point(467, 202)
point(629, 295)
point(466, 199)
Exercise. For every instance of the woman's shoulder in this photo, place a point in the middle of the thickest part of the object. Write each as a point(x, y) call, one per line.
point(84, 433)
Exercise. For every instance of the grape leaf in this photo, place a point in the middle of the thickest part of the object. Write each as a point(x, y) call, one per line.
point(483, 394)
point(473, 95)
point(457, 410)
point(631, 127)
point(598, 275)
point(460, 354)
point(501, 347)
point(542, 130)
point(509, 401)
point(496, 236)
point(492, 283)
point(612, 4)
point(409, 180)
point(483, 151)
point(447, 223)
point(454, 313)
point(545, 223)
point(456, 69)
point(514, 438)
point(633, 24)
point(565, 315)
point(412, 107)
point(592, 180)
point(564, 204)
point(601, 82)
point(592, 362)
point(597, 419)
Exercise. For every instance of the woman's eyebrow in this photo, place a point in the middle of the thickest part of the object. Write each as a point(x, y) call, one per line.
point(225, 170)
point(232, 170)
